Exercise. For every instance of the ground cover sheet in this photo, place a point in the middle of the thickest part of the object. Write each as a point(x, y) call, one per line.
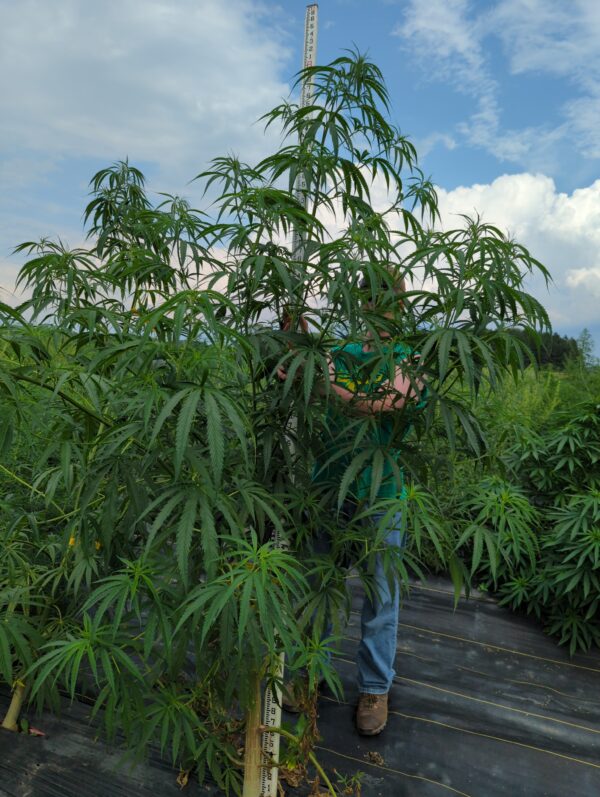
point(483, 705)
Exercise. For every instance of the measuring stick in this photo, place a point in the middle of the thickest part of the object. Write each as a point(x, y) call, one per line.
point(272, 703)
point(270, 741)
point(306, 98)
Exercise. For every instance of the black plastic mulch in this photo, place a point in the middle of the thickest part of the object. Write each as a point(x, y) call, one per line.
point(483, 705)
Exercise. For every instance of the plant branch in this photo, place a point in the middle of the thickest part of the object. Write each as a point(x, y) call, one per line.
point(292, 738)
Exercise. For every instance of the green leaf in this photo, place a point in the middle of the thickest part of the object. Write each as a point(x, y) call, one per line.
point(209, 538)
point(350, 474)
point(376, 474)
point(167, 411)
point(456, 568)
point(185, 530)
point(216, 442)
point(184, 425)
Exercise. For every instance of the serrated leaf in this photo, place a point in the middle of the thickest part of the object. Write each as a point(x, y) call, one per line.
point(457, 575)
point(209, 538)
point(185, 530)
point(166, 412)
point(214, 430)
point(376, 474)
point(309, 377)
point(350, 474)
point(184, 425)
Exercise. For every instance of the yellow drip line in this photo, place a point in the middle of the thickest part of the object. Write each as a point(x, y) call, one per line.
point(496, 705)
point(494, 677)
point(475, 733)
point(486, 702)
point(499, 739)
point(390, 769)
point(451, 594)
point(497, 647)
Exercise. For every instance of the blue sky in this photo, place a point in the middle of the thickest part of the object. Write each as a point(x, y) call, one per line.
point(501, 97)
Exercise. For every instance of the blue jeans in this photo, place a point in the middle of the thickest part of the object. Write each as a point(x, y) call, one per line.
point(379, 622)
point(379, 618)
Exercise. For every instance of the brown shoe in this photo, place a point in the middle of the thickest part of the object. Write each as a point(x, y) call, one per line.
point(371, 714)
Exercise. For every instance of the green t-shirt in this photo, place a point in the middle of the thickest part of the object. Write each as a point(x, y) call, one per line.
point(364, 372)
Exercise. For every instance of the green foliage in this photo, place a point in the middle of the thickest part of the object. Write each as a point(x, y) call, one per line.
point(499, 518)
point(150, 451)
point(550, 348)
point(585, 346)
point(528, 509)
point(562, 457)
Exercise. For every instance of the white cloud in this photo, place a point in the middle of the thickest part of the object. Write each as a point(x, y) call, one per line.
point(449, 39)
point(446, 38)
point(588, 278)
point(550, 36)
point(442, 37)
point(8, 273)
point(560, 39)
point(561, 230)
point(168, 84)
point(443, 27)
point(426, 144)
point(171, 83)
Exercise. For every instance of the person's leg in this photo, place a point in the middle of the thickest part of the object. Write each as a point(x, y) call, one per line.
point(379, 624)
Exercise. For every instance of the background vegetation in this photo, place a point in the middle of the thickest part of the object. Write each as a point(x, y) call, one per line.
point(527, 512)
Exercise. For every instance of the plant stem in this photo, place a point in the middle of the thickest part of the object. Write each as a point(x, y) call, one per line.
point(10, 721)
point(313, 758)
point(65, 397)
point(29, 486)
point(253, 756)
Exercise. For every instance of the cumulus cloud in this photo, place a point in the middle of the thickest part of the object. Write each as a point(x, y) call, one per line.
point(588, 278)
point(561, 230)
point(170, 83)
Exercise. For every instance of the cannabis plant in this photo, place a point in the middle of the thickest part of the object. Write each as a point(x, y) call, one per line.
point(559, 466)
point(172, 452)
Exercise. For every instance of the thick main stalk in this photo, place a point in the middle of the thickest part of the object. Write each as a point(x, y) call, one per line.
point(253, 755)
point(11, 720)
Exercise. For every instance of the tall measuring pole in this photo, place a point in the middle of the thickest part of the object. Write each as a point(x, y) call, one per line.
point(262, 752)
point(306, 99)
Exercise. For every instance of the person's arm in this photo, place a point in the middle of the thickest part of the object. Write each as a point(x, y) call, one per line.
point(395, 394)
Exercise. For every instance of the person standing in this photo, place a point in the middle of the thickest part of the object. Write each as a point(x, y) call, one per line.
point(372, 377)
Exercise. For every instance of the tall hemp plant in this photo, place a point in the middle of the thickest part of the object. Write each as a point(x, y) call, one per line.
point(137, 557)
